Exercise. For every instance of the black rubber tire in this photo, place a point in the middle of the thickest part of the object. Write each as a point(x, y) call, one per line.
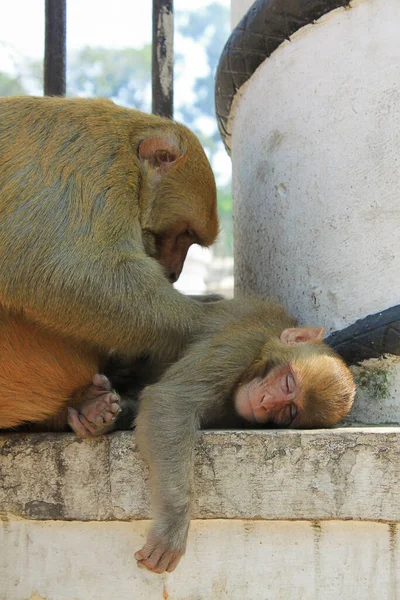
point(264, 27)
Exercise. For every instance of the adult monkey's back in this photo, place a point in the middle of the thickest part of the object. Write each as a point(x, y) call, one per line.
point(98, 207)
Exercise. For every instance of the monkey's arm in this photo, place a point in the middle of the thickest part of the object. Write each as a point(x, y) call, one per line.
point(126, 305)
point(169, 416)
point(129, 377)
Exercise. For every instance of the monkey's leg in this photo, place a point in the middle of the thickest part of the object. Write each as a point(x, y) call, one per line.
point(40, 373)
point(97, 409)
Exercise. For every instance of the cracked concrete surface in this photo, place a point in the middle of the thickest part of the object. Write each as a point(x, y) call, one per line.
point(343, 473)
point(279, 515)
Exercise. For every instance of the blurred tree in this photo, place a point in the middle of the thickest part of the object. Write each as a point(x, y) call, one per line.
point(209, 27)
point(10, 86)
point(224, 245)
point(122, 75)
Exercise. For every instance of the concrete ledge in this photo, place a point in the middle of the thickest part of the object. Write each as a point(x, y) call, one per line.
point(344, 473)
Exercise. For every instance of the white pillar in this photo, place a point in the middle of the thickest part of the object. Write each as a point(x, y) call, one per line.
point(316, 168)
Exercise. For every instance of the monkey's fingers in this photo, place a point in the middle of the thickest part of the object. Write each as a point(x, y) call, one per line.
point(166, 564)
point(92, 428)
point(77, 424)
point(102, 411)
point(174, 562)
point(100, 386)
point(158, 558)
point(102, 382)
point(100, 408)
point(83, 427)
point(151, 563)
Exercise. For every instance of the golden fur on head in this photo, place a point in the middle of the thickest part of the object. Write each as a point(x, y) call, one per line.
point(330, 390)
point(327, 387)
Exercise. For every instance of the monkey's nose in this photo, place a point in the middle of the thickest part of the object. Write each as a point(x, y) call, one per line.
point(173, 277)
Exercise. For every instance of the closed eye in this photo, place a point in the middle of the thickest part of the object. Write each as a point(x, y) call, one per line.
point(290, 384)
point(191, 235)
point(188, 234)
point(288, 415)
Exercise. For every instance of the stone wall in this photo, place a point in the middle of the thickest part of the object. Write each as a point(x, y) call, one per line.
point(279, 515)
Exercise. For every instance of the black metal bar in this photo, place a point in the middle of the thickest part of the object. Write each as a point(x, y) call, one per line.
point(55, 48)
point(163, 58)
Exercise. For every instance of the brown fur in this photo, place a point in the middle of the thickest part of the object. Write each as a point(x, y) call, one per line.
point(84, 218)
point(236, 346)
point(329, 391)
point(85, 213)
point(40, 373)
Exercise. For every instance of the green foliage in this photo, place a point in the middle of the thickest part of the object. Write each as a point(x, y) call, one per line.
point(122, 75)
point(224, 246)
point(225, 200)
point(210, 28)
point(10, 86)
point(376, 381)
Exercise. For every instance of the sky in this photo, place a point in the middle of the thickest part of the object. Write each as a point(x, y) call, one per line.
point(117, 24)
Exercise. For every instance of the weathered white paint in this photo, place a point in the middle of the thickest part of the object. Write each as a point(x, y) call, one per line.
point(238, 9)
point(316, 168)
point(165, 55)
point(225, 560)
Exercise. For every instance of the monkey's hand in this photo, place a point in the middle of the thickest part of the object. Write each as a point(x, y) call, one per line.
point(96, 413)
point(161, 552)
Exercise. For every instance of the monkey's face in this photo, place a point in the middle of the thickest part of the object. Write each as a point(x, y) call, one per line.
point(275, 398)
point(178, 197)
point(172, 248)
point(313, 392)
point(310, 386)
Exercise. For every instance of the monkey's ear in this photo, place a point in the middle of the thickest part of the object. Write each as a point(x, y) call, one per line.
point(159, 153)
point(302, 335)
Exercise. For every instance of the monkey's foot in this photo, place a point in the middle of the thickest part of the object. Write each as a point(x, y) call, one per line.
point(99, 408)
point(157, 556)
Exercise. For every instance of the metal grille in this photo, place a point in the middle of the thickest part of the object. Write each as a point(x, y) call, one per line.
point(162, 53)
point(55, 48)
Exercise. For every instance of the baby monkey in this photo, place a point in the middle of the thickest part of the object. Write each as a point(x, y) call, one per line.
point(251, 359)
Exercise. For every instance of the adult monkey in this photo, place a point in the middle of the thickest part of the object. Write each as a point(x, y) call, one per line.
point(98, 207)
